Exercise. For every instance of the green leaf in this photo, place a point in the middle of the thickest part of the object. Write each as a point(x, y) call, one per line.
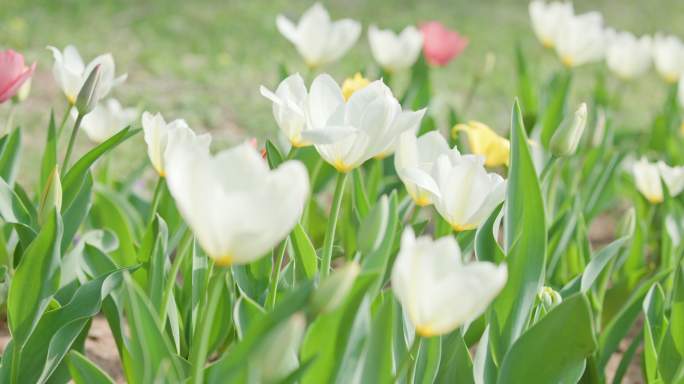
point(49, 160)
point(525, 238)
point(456, 365)
point(486, 246)
point(526, 88)
point(655, 326)
point(380, 260)
point(111, 211)
point(10, 152)
point(304, 251)
point(12, 207)
point(35, 281)
point(554, 349)
point(246, 313)
point(427, 361)
point(157, 264)
point(273, 155)
point(677, 309)
point(555, 107)
point(359, 195)
point(377, 366)
point(84, 371)
point(373, 227)
point(74, 213)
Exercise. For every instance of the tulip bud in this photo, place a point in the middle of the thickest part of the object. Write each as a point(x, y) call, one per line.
point(564, 142)
point(89, 94)
point(23, 92)
point(277, 356)
point(334, 289)
point(549, 298)
point(51, 196)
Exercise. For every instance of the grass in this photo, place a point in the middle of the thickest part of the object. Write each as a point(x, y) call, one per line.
point(204, 60)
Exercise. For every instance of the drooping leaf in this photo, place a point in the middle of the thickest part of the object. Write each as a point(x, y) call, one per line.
point(84, 371)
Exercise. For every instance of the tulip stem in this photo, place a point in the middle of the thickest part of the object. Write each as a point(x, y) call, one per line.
point(292, 153)
point(154, 204)
point(332, 223)
point(547, 168)
point(72, 139)
point(200, 346)
point(64, 119)
point(409, 361)
point(275, 275)
point(181, 253)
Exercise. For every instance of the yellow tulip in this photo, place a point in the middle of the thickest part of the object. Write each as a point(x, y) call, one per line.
point(482, 140)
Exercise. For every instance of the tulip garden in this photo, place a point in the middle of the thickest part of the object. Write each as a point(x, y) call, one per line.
point(375, 235)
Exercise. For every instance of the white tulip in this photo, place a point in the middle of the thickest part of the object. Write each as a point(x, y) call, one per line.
point(289, 104)
point(237, 207)
point(668, 57)
point(466, 194)
point(395, 52)
point(70, 72)
point(347, 133)
point(629, 56)
point(438, 292)
point(582, 39)
point(547, 19)
point(157, 132)
point(647, 180)
point(673, 178)
point(414, 161)
point(106, 119)
point(318, 39)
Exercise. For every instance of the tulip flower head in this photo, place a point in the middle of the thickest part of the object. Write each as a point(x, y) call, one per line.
point(414, 161)
point(673, 178)
point(647, 180)
point(346, 133)
point(628, 56)
point(437, 291)
point(106, 119)
point(70, 72)
point(289, 104)
point(157, 133)
point(668, 57)
point(465, 193)
point(441, 45)
point(353, 84)
point(13, 73)
point(237, 207)
point(318, 39)
point(582, 39)
point(395, 52)
point(565, 140)
point(483, 141)
point(547, 19)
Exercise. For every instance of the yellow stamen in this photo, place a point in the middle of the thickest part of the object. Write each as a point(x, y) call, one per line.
point(425, 331)
point(341, 166)
point(654, 199)
point(353, 84)
point(461, 228)
point(71, 100)
point(567, 61)
point(422, 200)
point(224, 261)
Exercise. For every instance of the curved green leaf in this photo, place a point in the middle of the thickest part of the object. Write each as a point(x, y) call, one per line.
point(84, 371)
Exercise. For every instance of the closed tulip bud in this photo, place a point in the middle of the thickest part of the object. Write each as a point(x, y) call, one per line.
point(647, 180)
point(441, 45)
point(51, 197)
point(395, 52)
point(23, 92)
point(88, 95)
point(549, 298)
point(14, 73)
point(277, 356)
point(566, 138)
point(334, 289)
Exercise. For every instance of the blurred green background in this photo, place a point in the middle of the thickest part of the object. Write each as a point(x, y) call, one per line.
point(204, 60)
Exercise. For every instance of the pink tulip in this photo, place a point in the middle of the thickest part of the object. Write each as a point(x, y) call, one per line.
point(441, 45)
point(13, 73)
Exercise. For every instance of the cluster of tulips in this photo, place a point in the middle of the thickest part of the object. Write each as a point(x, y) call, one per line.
point(436, 258)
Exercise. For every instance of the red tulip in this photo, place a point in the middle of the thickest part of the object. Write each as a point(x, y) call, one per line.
point(441, 45)
point(13, 73)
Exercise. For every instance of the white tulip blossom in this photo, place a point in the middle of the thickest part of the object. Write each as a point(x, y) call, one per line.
point(237, 207)
point(668, 57)
point(395, 52)
point(414, 160)
point(437, 291)
point(347, 133)
point(548, 18)
point(70, 72)
point(466, 194)
point(582, 39)
point(673, 178)
point(628, 56)
point(318, 39)
point(647, 180)
point(157, 132)
point(289, 105)
point(106, 119)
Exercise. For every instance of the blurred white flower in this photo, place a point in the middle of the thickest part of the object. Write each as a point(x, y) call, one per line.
point(565, 140)
point(414, 161)
point(318, 39)
point(347, 133)
point(673, 178)
point(278, 355)
point(668, 57)
point(582, 39)
point(106, 119)
point(647, 180)
point(157, 131)
point(548, 18)
point(438, 292)
point(395, 52)
point(628, 56)
point(289, 105)
point(466, 193)
point(237, 207)
point(70, 72)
